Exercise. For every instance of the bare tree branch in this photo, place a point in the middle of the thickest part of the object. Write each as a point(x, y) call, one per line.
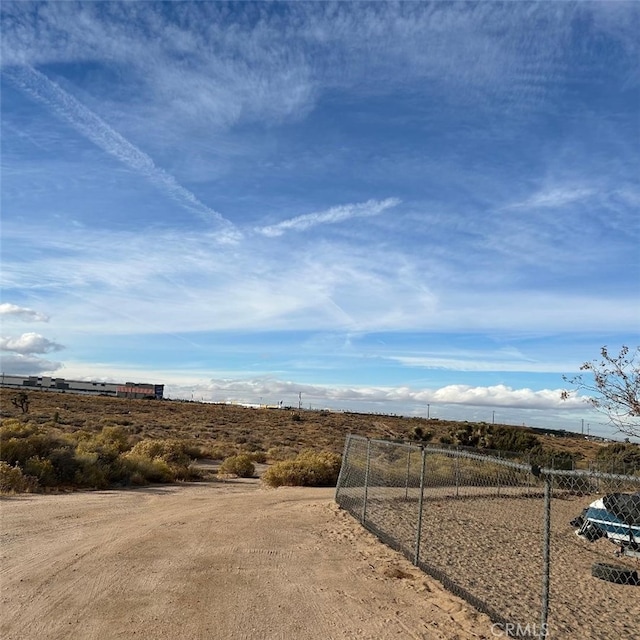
point(615, 388)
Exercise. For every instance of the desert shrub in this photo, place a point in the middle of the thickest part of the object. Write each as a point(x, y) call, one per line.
point(552, 458)
point(19, 450)
point(277, 454)
point(307, 469)
point(13, 480)
point(65, 464)
point(420, 435)
point(93, 474)
point(511, 439)
point(106, 446)
point(487, 436)
point(195, 451)
point(221, 451)
point(13, 428)
point(115, 437)
point(137, 479)
point(161, 460)
point(143, 470)
point(620, 457)
point(19, 442)
point(171, 451)
point(256, 456)
point(240, 465)
point(42, 469)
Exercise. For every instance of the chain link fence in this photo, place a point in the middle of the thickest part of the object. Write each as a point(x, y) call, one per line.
point(530, 546)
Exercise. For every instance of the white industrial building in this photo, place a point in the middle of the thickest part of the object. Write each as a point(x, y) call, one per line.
point(61, 385)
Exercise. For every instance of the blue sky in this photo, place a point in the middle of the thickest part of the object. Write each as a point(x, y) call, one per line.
point(379, 206)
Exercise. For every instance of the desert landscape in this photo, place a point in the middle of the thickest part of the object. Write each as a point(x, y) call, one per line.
point(228, 557)
point(228, 560)
point(229, 427)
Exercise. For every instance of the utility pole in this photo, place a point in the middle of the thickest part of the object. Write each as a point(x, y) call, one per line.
point(493, 418)
point(582, 426)
point(299, 400)
point(428, 410)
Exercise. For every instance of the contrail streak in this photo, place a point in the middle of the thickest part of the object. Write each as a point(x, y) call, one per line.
point(330, 216)
point(38, 86)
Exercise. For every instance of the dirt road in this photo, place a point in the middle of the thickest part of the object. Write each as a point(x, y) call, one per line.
point(222, 561)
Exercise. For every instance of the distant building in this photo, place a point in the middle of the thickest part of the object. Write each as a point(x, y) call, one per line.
point(44, 383)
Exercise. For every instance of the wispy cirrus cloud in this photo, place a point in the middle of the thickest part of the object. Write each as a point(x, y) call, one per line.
point(251, 64)
point(65, 106)
point(100, 275)
point(334, 215)
point(478, 363)
point(555, 197)
point(23, 313)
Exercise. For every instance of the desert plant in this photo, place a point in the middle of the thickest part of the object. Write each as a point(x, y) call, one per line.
point(240, 466)
point(42, 469)
point(421, 435)
point(21, 401)
point(615, 390)
point(307, 469)
point(13, 480)
point(169, 458)
point(620, 457)
point(17, 444)
point(221, 451)
point(257, 456)
point(143, 470)
point(171, 451)
point(278, 454)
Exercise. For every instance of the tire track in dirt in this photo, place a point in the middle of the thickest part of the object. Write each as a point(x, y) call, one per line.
point(212, 561)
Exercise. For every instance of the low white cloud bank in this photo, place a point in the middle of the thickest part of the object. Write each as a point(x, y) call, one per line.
point(29, 343)
point(27, 365)
point(503, 396)
point(393, 399)
point(23, 313)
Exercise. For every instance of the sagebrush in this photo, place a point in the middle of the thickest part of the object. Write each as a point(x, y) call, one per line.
point(308, 469)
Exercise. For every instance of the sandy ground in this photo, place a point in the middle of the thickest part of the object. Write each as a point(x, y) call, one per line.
point(228, 561)
point(492, 548)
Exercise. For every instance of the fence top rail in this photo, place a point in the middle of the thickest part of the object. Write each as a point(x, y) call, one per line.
point(482, 457)
point(453, 453)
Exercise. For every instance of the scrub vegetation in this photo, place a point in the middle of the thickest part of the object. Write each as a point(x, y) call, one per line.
point(68, 441)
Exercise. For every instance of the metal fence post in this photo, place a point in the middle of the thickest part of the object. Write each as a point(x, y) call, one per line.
point(457, 471)
point(345, 454)
point(366, 482)
point(416, 558)
point(546, 554)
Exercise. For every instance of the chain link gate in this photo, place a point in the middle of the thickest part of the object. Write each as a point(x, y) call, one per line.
point(500, 533)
